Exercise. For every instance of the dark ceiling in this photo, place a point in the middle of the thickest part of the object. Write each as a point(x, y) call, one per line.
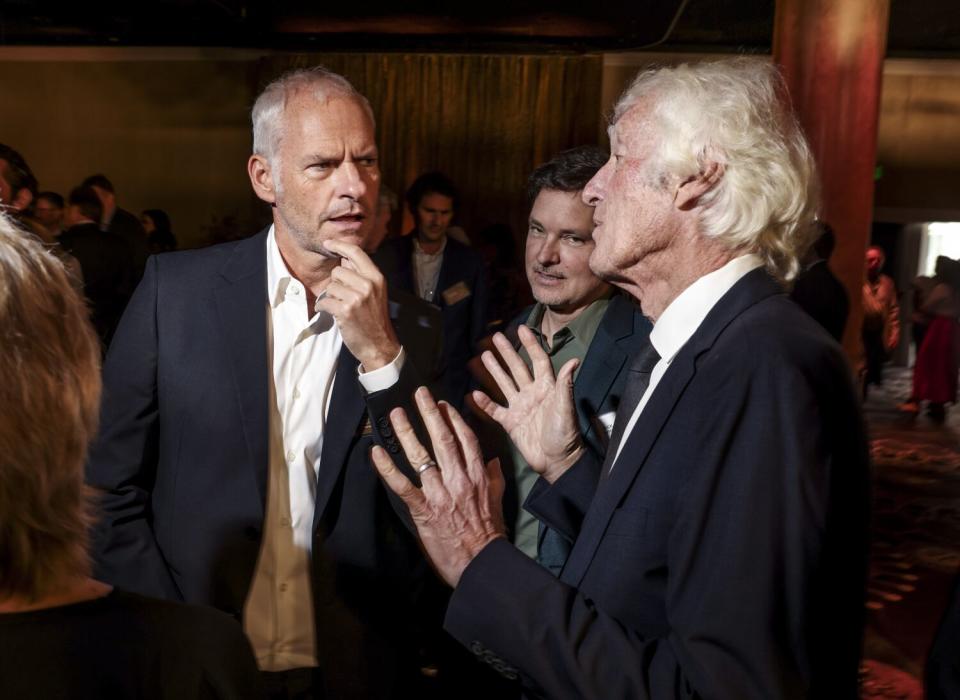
point(928, 28)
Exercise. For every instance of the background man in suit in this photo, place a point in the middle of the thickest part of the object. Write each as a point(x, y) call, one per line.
point(576, 315)
point(233, 453)
point(817, 290)
point(120, 222)
point(720, 549)
point(417, 321)
point(442, 271)
point(104, 259)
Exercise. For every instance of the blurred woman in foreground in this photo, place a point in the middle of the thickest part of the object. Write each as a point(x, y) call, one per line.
point(62, 633)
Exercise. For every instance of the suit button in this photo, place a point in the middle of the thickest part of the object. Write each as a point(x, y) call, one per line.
point(477, 648)
point(393, 447)
point(383, 422)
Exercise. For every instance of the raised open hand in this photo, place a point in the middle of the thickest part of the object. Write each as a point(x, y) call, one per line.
point(539, 416)
point(458, 510)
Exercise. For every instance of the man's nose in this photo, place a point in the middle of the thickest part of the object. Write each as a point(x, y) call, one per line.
point(549, 252)
point(350, 184)
point(594, 191)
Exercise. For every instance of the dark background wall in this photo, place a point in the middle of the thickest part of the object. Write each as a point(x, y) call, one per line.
point(171, 126)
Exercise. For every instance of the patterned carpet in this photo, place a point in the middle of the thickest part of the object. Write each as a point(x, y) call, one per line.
point(916, 537)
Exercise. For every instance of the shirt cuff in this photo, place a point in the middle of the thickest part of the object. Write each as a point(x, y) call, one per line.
point(383, 377)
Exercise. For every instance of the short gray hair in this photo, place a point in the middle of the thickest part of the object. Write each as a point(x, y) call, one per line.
point(267, 113)
point(50, 393)
point(735, 112)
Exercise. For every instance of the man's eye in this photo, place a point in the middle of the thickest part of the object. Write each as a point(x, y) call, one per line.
point(535, 231)
point(573, 240)
point(368, 162)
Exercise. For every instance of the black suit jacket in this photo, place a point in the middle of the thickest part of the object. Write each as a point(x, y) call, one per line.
point(106, 263)
point(129, 228)
point(820, 294)
point(182, 459)
point(464, 321)
point(420, 324)
point(724, 556)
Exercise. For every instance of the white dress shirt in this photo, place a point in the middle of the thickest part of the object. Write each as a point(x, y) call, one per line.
point(681, 319)
point(278, 614)
point(426, 269)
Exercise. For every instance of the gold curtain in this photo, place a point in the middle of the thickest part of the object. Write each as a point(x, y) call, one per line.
point(484, 120)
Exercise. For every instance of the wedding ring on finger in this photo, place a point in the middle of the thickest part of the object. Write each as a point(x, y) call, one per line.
point(429, 464)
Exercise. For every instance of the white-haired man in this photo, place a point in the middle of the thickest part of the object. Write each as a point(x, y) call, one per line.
point(719, 550)
point(235, 438)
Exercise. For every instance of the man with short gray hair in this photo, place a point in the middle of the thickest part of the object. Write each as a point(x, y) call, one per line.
point(719, 550)
point(243, 391)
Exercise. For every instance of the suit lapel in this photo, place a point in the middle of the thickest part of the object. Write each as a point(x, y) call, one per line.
point(603, 362)
point(611, 490)
point(241, 300)
point(404, 263)
point(347, 409)
point(443, 277)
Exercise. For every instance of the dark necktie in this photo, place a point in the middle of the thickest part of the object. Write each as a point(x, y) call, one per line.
point(553, 548)
point(638, 379)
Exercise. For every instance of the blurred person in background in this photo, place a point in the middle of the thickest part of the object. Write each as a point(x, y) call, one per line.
point(18, 186)
point(817, 290)
point(105, 259)
point(32, 211)
point(120, 222)
point(48, 210)
point(62, 633)
point(443, 271)
point(156, 224)
point(881, 317)
point(935, 371)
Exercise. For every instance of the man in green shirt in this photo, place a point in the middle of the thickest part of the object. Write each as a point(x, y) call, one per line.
point(576, 315)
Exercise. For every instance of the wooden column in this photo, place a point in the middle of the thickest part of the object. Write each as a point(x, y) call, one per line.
point(831, 55)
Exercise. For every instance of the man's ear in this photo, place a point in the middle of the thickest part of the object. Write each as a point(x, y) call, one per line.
point(261, 177)
point(694, 187)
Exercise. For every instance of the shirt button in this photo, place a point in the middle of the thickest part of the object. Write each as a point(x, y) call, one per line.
point(283, 588)
point(290, 455)
point(296, 393)
point(285, 521)
point(295, 290)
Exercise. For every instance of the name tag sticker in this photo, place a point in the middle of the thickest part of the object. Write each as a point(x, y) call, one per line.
point(456, 293)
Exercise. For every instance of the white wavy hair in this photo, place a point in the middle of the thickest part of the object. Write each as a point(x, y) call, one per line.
point(734, 112)
point(267, 113)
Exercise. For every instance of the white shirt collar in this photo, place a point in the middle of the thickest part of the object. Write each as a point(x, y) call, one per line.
point(418, 250)
point(683, 316)
point(278, 276)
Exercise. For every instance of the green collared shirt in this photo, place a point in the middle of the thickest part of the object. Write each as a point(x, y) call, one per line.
point(573, 340)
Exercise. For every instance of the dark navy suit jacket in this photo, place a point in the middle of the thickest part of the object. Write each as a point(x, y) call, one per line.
point(464, 321)
point(182, 460)
point(725, 554)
